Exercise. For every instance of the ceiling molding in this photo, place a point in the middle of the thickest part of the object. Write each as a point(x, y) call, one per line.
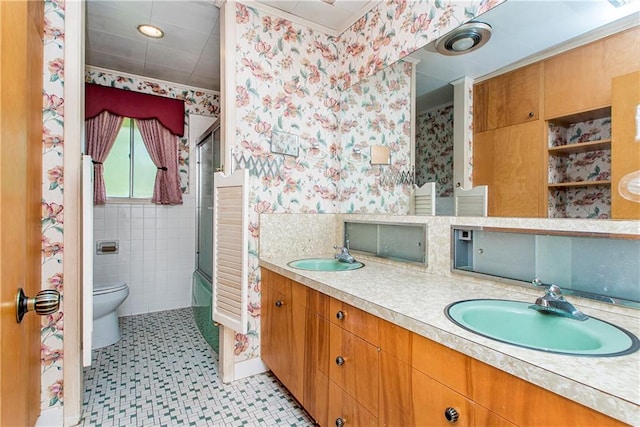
point(622, 24)
point(150, 79)
point(307, 23)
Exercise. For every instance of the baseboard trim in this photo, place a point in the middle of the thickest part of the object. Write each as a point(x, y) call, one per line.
point(249, 367)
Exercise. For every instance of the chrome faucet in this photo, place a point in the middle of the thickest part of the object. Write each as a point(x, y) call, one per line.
point(553, 302)
point(344, 255)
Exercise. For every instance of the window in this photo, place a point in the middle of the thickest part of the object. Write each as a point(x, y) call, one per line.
point(129, 171)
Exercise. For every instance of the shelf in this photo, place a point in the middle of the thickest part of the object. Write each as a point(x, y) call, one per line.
point(583, 147)
point(577, 184)
point(583, 116)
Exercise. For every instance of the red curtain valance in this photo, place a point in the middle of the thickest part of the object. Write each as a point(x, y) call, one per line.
point(126, 103)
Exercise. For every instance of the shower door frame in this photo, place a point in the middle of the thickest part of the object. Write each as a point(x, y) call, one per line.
point(202, 140)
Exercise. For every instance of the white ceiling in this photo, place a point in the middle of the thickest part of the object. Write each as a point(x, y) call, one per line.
point(189, 53)
point(331, 16)
point(521, 29)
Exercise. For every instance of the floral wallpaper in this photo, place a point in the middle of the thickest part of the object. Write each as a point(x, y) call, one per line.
point(284, 78)
point(580, 202)
point(290, 78)
point(395, 29)
point(52, 326)
point(434, 149)
point(202, 102)
point(376, 111)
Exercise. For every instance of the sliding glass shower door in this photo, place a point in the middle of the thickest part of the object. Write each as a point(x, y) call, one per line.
point(208, 163)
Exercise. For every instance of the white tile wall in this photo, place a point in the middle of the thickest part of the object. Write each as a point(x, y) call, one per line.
point(156, 253)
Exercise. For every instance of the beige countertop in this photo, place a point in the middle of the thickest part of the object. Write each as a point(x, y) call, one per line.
point(416, 300)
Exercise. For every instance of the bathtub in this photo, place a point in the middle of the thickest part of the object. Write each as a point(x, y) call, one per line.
point(201, 307)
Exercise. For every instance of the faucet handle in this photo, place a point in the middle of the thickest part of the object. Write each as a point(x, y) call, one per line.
point(554, 290)
point(537, 282)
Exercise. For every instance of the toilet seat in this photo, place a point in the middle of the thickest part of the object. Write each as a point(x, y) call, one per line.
point(107, 288)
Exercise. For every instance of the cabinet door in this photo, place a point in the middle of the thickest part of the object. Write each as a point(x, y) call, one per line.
point(283, 330)
point(316, 375)
point(580, 79)
point(396, 393)
point(511, 162)
point(344, 411)
point(518, 401)
point(625, 150)
point(353, 365)
point(508, 99)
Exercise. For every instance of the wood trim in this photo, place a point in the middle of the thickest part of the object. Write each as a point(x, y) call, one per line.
point(227, 83)
point(73, 137)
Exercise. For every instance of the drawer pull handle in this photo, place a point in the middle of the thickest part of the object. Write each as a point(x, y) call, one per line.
point(451, 415)
point(339, 360)
point(340, 315)
point(339, 422)
point(531, 114)
point(279, 303)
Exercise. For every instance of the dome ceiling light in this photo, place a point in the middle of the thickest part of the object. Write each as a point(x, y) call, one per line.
point(466, 38)
point(150, 31)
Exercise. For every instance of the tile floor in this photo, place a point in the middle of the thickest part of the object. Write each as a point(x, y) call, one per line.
point(162, 373)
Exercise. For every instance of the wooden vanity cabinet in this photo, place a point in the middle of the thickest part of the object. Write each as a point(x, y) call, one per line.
point(390, 375)
point(283, 330)
point(341, 359)
point(526, 404)
point(317, 356)
point(422, 382)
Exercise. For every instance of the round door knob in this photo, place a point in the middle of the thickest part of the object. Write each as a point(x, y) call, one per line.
point(531, 114)
point(339, 422)
point(45, 302)
point(340, 315)
point(339, 360)
point(451, 415)
point(278, 303)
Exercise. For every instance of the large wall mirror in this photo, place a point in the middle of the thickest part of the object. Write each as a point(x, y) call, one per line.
point(522, 32)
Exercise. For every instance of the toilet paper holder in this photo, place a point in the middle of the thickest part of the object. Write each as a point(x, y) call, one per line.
point(106, 247)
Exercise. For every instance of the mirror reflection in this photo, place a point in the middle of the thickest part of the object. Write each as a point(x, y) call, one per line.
point(523, 32)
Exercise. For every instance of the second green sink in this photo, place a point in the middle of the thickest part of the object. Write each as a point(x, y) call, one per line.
point(513, 322)
point(324, 264)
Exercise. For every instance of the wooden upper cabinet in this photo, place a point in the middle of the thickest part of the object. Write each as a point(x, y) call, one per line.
point(580, 80)
point(509, 99)
point(510, 161)
point(625, 150)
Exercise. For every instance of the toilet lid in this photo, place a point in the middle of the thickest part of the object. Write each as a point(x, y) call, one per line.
point(105, 288)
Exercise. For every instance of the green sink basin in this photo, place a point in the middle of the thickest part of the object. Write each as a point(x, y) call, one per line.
point(324, 264)
point(513, 322)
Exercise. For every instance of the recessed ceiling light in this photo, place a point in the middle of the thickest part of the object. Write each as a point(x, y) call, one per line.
point(619, 3)
point(464, 39)
point(150, 31)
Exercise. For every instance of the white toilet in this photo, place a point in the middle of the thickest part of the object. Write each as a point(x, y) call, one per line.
point(107, 297)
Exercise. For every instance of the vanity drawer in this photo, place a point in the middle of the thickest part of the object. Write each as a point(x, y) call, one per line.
point(354, 320)
point(353, 365)
point(345, 411)
point(441, 363)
